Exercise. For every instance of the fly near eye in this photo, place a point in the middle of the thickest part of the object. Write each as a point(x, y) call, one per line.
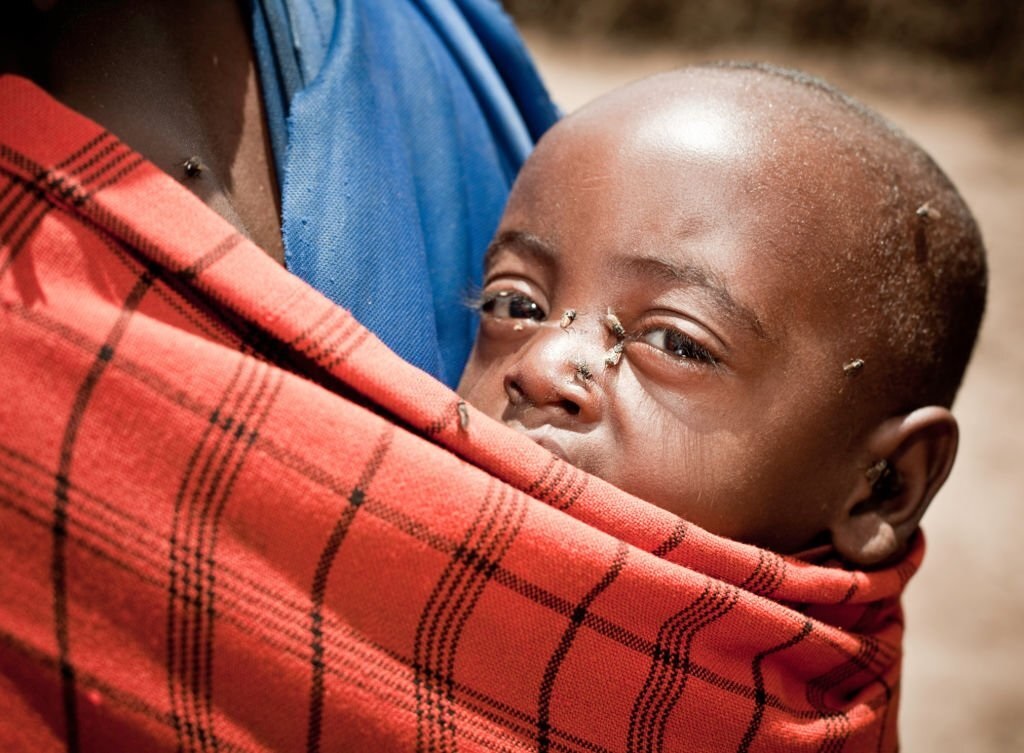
point(507, 304)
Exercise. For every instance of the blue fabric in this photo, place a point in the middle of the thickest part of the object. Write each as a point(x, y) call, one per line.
point(397, 127)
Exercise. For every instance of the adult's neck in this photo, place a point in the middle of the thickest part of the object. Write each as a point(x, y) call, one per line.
point(173, 80)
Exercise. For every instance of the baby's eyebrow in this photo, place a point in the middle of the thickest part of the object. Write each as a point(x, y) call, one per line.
point(525, 244)
point(687, 273)
point(693, 275)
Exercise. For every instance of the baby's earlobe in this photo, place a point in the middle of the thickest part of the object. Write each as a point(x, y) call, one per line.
point(915, 452)
point(867, 540)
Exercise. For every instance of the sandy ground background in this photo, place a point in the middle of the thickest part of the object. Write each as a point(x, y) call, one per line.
point(963, 687)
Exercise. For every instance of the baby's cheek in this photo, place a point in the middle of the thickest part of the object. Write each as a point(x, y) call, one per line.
point(699, 475)
point(481, 386)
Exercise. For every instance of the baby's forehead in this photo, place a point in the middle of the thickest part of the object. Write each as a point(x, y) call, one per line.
point(740, 175)
point(777, 130)
point(790, 156)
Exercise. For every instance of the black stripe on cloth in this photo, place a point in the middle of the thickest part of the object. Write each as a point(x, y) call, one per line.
point(449, 416)
point(85, 149)
point(329, 314)
point(837, 732)
point(60, 507)
point(341, 354)
point(177, 575)
point(254, 338)
point(97, 157)
point(566, 483)
point(17, 190)
point(248, 614)
point(245, 434)
point(319, 589)
point(104, 160)
point(214, 255)
point(113, 695)
point(182, 281)
point(545, 489)
point(132, 164)
point(448, 608)
point(551, 465)
point(328, 340)
point(70, 187)
point(336, 344)
point(579, 613)
point(205, 319)
point(759, 697)
point(26, 222)
point(13, 188)
point(864, 661)
point(350, 657)
point(482, 570)
point(325, 479)
point(109, 531)
point(672, 667)
point(568, 496)
point(32, 208)
point(234, 429)
point(20, 161)
point(768, 575)
point(850, 592)
point(674, 539)
point(61, 187)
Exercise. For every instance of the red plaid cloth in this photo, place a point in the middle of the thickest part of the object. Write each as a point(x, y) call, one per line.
point(232, 520)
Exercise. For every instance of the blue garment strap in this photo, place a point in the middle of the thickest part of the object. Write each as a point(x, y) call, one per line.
point(397, 128)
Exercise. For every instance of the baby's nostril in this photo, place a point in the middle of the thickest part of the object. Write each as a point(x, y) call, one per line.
point(570, 407)
point(514, 391)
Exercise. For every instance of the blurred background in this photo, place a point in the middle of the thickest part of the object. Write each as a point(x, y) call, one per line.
point(951, 74)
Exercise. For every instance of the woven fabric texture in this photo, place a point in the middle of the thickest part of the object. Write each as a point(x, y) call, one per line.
point(233, 520)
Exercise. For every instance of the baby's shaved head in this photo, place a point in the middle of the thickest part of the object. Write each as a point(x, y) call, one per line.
point(923, 279)
point(917, 279)
point(795, 287)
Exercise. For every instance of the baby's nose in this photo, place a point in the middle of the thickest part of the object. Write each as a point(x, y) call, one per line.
point(560, 374)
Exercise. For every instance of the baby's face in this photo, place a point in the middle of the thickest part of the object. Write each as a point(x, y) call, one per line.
point(727, 403)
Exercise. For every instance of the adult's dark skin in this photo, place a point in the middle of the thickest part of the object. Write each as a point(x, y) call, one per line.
point(172, 80)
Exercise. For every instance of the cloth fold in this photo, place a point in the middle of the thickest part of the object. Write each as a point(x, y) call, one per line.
point(234, 520)
point(397, 129)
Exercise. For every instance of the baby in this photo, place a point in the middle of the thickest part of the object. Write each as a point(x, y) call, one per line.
point(743, 297)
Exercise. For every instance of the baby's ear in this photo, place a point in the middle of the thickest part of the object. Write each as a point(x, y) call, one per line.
point(907, 459)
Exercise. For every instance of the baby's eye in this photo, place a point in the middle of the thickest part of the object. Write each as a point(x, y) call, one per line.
point(508, 304)
point(675, 343)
